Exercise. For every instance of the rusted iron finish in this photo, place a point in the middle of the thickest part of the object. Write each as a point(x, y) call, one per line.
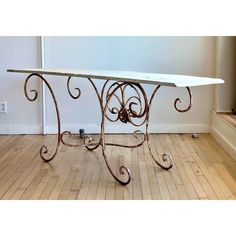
point(87, 141)
point(44, 148)
point(122, 169)
point(68, 89)
point(165, 157)
point(68, 133)
point(130, 146)
point(133, 110)
point(90, 145)
point(178, 100)
point(126, 112)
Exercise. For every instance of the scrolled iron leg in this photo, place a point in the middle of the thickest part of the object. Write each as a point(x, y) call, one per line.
point(166, 157)
point(44, 148)
point(122, 169)
point(101, 142)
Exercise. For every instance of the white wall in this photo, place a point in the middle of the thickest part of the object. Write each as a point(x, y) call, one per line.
point(177, 55)
point(22, 117)
point(226, 69)
point(180, 55)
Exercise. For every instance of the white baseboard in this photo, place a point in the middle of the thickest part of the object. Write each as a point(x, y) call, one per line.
point(20, 129)
point(224, 133)
point(110, 128)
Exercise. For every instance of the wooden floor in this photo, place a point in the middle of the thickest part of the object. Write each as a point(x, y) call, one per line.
point(202, 170)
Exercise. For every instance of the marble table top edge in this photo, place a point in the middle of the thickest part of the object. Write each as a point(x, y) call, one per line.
point(171, 80)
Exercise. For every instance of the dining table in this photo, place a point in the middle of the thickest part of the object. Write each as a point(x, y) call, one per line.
point(121, 98)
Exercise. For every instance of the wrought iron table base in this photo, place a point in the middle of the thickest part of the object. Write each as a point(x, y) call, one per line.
point(132, 109)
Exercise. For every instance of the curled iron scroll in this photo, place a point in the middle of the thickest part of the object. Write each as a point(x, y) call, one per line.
point(128, 109)
point(69, 90)
point(44, 148)
point(166, 158)
point(178, 100)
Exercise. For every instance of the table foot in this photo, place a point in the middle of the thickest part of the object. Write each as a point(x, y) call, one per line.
point(123, 170)
point(166, 158)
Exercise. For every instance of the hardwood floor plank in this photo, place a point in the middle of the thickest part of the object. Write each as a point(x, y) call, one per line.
point(145, 185)
point(197, 186)
point(13, 178)
point(61, 161)
point(80, 167)
point(136, 179)
point(49, 188)
point(214, 179)
point(228, 179)
point(207, 188)
point(202, 169)
point(35, 182)
point(222, 184)
point(88, 175)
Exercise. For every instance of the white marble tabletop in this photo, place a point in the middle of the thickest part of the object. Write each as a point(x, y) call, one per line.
point(129, 76)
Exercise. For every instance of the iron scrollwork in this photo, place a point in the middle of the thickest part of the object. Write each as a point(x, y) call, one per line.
point(132, 109)
point(178, 100)
point(126, 111)
point(166, 156)
point(44, 148)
